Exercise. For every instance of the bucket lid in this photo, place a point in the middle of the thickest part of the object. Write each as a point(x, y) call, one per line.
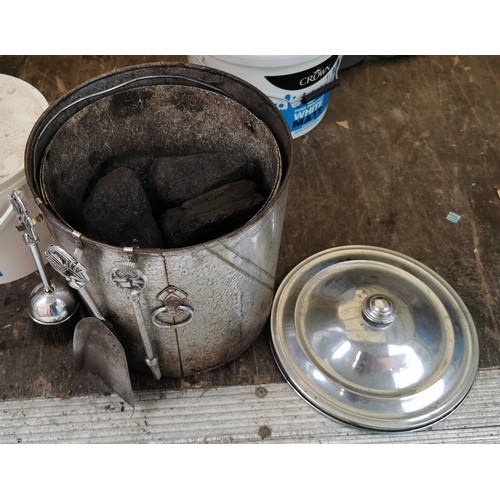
point(374, 338)
point(269, 61)
point(20, 107)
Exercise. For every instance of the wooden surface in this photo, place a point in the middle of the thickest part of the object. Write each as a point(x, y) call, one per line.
point(269, 413)
point(404, 142)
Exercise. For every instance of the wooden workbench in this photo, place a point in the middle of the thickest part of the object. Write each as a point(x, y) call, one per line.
point(404, 142)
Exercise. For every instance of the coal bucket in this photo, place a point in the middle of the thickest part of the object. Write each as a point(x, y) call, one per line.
point(201, 302)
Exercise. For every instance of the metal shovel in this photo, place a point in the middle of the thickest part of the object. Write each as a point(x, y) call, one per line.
point(95, 347)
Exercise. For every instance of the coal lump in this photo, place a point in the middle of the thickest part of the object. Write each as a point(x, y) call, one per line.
point(118, 212)
point(211, 214)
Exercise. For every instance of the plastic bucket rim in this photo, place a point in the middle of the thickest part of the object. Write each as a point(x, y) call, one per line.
point(266, 61)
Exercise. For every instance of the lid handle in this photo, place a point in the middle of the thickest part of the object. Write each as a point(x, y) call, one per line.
point(379, 310)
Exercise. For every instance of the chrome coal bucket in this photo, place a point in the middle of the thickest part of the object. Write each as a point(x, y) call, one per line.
point(202, 304)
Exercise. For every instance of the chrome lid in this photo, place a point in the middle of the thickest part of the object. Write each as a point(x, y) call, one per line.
point(374, 338)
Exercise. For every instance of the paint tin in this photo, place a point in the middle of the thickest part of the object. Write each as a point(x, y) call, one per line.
point(300, 86)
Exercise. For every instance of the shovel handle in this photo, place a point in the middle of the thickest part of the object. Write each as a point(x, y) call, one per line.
point(67, 266)
point(87, 298)
point(76, 275)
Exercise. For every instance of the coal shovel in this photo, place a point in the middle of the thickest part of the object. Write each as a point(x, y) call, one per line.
point(95, 347)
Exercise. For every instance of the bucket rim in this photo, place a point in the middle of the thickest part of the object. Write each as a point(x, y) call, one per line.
point(214, 77)
point(267, 61)
point(12, 166)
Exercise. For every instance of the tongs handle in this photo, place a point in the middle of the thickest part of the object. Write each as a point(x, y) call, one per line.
point(133, 281)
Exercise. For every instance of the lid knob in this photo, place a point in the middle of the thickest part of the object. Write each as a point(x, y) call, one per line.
point(379, 309)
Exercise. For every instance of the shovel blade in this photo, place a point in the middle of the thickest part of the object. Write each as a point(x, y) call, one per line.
point(96, 349)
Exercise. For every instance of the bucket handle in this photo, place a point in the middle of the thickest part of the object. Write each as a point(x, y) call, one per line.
point(181, 308)
point(172, 298)
point(322, 90)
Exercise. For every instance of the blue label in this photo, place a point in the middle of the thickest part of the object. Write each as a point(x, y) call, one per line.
point(298, 115)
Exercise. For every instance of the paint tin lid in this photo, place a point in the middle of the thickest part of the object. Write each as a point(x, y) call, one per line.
point(20, 107)
point(374, 338)
point(269, 61)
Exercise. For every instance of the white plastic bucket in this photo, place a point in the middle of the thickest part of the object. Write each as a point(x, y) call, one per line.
point(300, 86)
point(20, 107)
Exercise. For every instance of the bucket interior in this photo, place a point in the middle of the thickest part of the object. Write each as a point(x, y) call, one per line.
point(145, 128)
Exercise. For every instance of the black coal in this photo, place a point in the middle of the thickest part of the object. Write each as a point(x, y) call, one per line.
point(151, 201)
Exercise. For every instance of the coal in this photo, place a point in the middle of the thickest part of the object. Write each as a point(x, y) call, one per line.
point(211, 214)
point(180, 178)
point(118, 212)
point(138, 162)
point(149, 200)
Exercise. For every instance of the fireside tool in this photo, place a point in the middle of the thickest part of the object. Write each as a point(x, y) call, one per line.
point(52, 304)
point(95, 347)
